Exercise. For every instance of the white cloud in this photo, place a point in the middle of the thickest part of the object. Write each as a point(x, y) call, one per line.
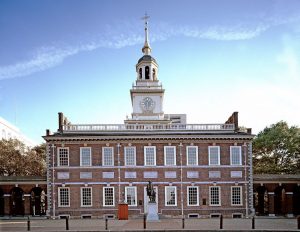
point(50, 56)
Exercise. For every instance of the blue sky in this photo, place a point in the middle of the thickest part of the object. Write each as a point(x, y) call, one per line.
point(215, 57)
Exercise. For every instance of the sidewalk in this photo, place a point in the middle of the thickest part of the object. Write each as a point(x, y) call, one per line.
point(261, 224)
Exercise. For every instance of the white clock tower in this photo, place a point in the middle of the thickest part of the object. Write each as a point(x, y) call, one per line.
point(147, 93)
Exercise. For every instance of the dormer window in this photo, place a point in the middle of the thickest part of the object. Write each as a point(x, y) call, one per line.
point(147, 76)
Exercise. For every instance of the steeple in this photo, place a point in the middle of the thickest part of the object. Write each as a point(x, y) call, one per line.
point(146, 49)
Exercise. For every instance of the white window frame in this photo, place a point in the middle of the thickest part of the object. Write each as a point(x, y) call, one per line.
point(187, 155)
point(241, 195)
point(112, 156)
point(125, 156)
point(110, 187)
point(135, 194)
point(58, 156)
point(240, 154)
point(174, 155)
point(81, 196)
point(209, 154)
point(59, 197)
point(210, 198)
point(188, 195)
point(90, 161)
point(145, 160)
point(166, 190)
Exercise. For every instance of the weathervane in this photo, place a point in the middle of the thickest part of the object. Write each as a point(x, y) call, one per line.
point(146, 17)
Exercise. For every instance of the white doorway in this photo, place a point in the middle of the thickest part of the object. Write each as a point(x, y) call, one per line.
point(146, 199)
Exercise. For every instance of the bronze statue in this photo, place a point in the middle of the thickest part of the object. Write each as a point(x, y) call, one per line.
point(151, 192)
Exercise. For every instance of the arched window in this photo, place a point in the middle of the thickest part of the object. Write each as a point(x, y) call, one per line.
point(140, 73)
point(154, 74)
point(147, 77)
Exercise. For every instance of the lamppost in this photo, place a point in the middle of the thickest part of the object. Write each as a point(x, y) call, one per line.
point(53, 183)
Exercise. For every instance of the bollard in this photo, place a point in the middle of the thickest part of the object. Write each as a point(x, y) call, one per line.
point(182, 223)
point(106, 224)
point(253, 223)
point(221, 222)
point(145, 221)
point(28, 223)
point(298, 220)
point(67, 223)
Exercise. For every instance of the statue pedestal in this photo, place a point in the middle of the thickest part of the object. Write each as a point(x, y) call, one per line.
point(152, 212)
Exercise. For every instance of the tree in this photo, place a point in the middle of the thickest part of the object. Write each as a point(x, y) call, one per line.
point(18, 160)
point(276, 150)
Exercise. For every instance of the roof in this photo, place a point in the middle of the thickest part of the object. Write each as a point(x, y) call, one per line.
point(147, 58)
point(22, 179)
point(276, 177)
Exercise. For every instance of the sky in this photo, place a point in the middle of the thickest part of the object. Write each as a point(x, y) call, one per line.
point(215, 57)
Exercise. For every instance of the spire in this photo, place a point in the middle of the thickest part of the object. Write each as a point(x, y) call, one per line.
point(146, 49)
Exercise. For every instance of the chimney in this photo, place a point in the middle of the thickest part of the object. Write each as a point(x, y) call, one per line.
point(60, 121)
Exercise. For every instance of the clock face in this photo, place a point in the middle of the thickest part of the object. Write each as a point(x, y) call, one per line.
point(147, 104)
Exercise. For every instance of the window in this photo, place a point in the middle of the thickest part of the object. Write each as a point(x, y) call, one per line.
point(150, 156)
point(108, 196)
point(130, 196)
point(130, 154)
point(193, 198)
point(107, 156)
point(192, 155)
point(63, 156)
point(214, 155)
point(170, 155)
point(235, 155)
point(86, 175)
point(85, 156)
point(63, 197)
point(214, 196)
point(86, 196)
point(170, 196)
point(236, 195)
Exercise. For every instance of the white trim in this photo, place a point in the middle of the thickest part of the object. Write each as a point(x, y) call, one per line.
point(58, 156)
point(210, 187)
point(81, 197)
point(289, 193)
point(188, 196)
point(135, 194)
point(240, 155)
point(241, 196)
point(172, 187)
point(113, 188)
point(187, 156)
point(112, 154)
point(69, 193)
point(218, 147)
point(165, 155)
point(154, 147)
point(125, 155)
point(81, 156)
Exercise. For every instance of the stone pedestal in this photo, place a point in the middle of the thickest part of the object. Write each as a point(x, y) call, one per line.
point(152, 212)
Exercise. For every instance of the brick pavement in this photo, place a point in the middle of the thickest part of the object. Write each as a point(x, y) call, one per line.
point(262, 224)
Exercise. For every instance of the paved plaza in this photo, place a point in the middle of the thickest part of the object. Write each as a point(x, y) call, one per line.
point(261, 224)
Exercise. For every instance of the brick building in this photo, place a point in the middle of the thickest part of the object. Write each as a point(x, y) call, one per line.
point(196, 169)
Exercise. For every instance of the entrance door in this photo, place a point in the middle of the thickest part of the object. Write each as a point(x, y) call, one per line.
point(146, 199)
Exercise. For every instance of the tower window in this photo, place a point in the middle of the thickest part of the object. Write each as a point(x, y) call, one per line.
point(140, 73)
point(147, 77)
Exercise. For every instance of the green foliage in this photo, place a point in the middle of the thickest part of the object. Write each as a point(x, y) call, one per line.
point(18, 160)
point(276, 150)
